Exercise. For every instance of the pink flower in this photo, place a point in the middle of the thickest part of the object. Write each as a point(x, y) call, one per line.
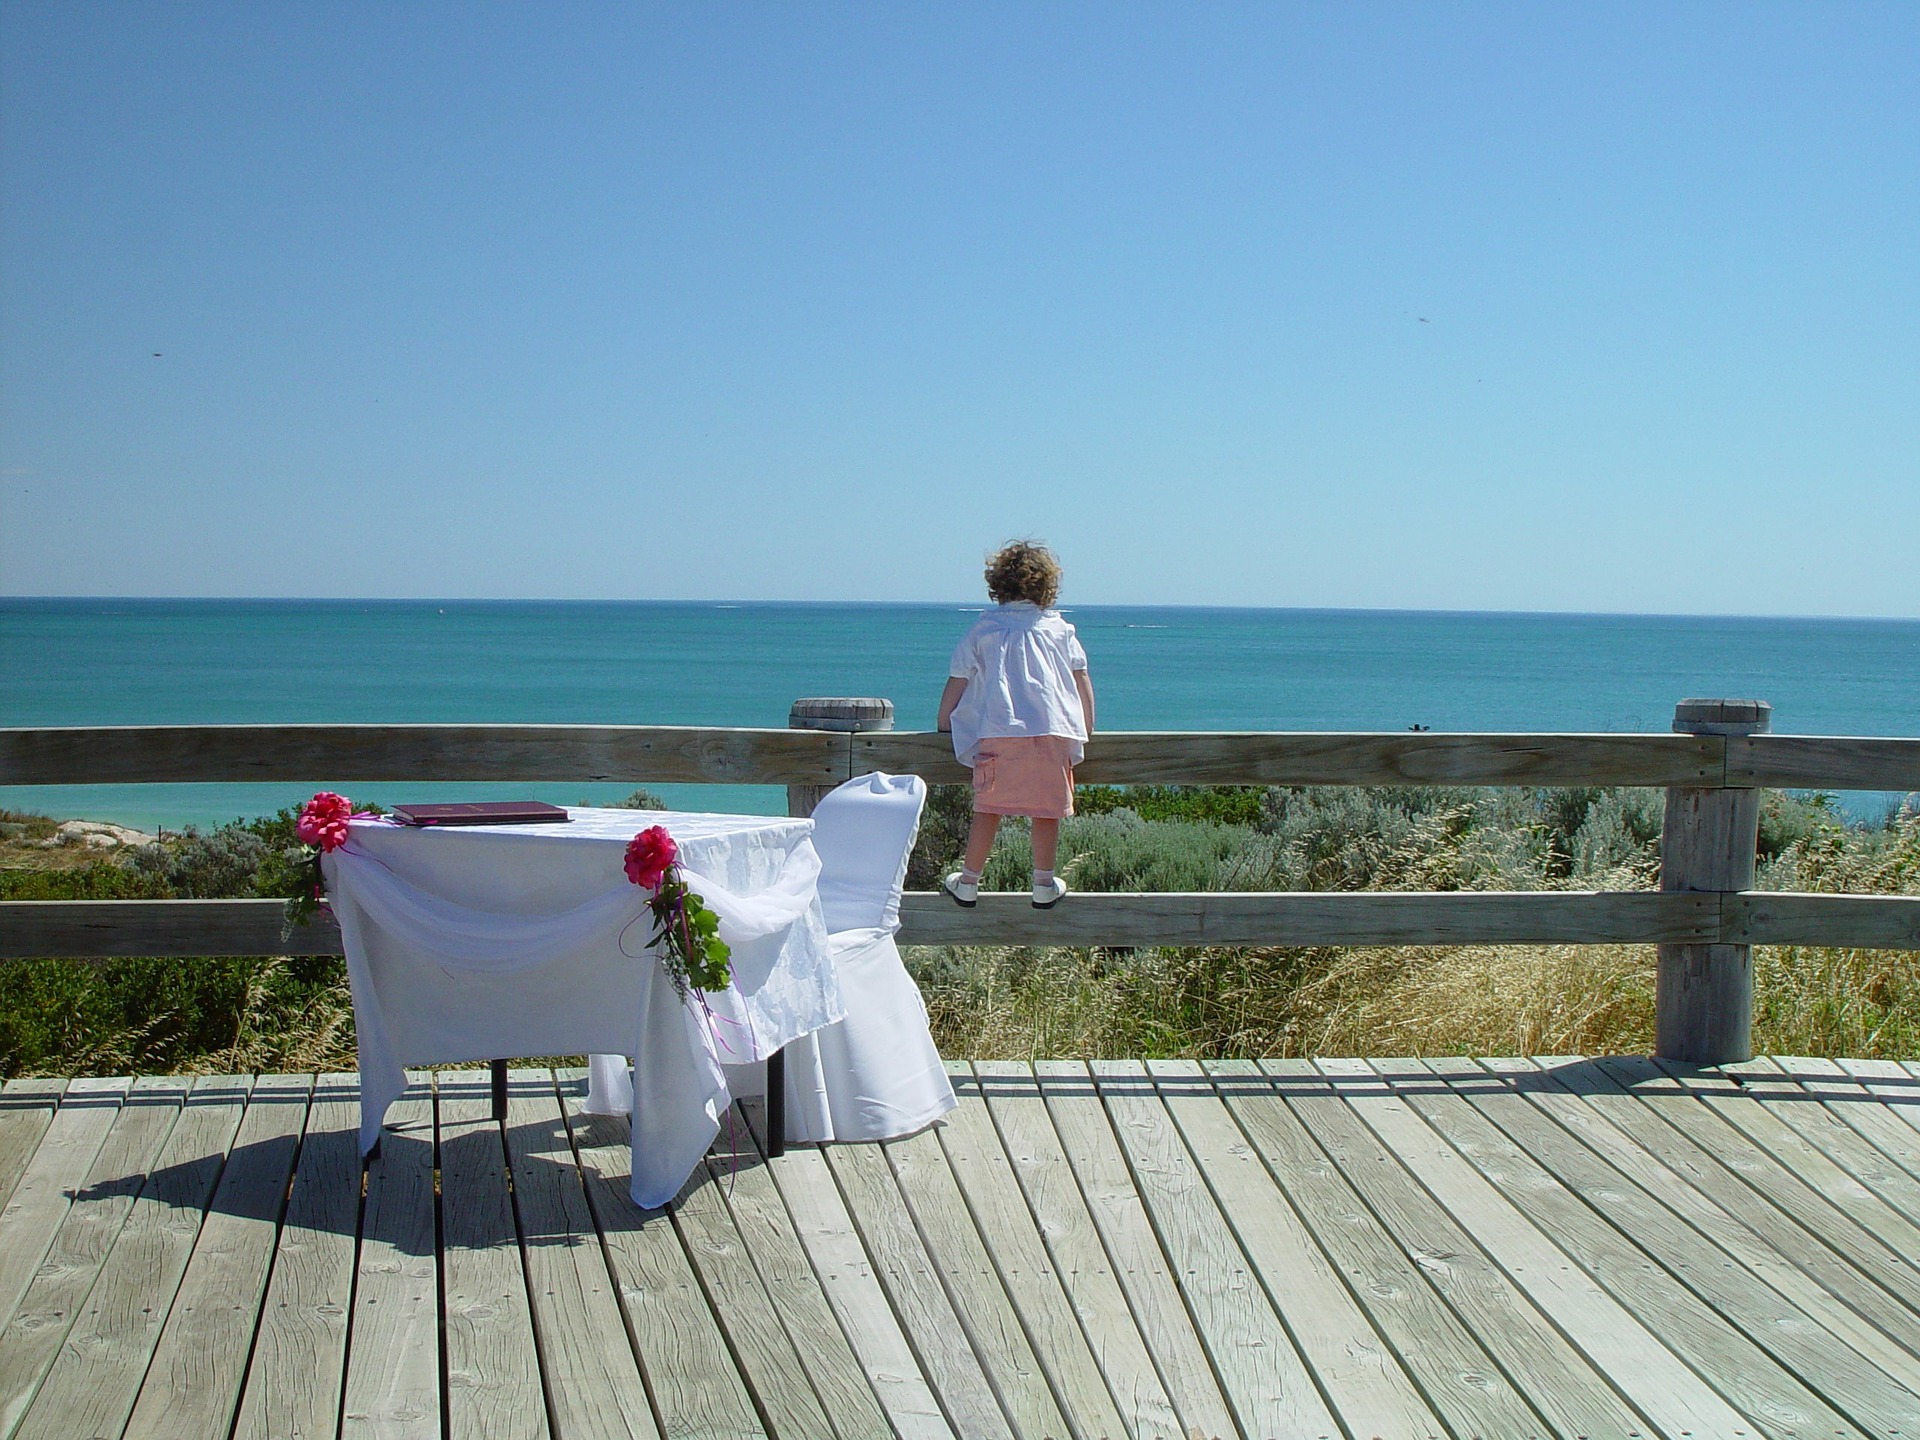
point(323, 821)
point(648, 855)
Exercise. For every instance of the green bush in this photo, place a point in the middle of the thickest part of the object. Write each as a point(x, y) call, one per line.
point(101, 880)
point(221, 864)
point(1219, 804)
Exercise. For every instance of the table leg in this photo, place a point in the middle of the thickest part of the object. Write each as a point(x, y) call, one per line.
point(499, 1068)
point(777, 1103)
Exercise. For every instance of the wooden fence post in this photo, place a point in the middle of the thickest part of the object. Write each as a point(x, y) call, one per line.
point(1703, 995)
point(846, 714)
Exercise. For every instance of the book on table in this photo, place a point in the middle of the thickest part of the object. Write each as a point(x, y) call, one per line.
point(481, 812)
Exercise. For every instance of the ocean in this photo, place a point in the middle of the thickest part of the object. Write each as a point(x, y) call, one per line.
point(173, 662)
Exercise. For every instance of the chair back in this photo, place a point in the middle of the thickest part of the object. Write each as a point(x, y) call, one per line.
point(864, 832)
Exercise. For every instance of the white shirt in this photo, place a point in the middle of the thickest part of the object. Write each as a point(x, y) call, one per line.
point(1018, 662)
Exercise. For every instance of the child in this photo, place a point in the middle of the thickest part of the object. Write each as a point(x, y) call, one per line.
point(1020, 706)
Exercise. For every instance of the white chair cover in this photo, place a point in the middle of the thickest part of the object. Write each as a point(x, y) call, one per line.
point(876, 1074)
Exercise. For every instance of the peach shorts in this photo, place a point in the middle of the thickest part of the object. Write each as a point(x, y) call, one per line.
point(1024, 775)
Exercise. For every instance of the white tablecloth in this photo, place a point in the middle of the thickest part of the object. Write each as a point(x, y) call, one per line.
point(492, 942)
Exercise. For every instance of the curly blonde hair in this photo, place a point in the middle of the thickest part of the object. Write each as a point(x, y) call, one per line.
point(1023, 570)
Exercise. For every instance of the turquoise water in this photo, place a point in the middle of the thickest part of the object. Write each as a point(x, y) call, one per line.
point(144, 662)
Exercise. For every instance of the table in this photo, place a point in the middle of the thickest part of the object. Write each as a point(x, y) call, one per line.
point(476, 942)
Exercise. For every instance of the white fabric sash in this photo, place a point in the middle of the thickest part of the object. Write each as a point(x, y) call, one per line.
point(489, 942)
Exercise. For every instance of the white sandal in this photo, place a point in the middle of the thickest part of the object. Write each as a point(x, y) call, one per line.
point(1046, 896)
point(961, 892)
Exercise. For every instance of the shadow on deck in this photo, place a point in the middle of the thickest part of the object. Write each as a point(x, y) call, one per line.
point(1500, 1248)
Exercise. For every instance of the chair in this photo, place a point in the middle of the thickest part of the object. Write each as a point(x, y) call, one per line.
point(875, 1074)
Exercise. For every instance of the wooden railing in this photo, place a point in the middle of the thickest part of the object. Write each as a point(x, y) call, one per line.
point(1704, 918)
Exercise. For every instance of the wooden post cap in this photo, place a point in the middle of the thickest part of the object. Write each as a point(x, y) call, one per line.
point(1722, 717)
point(840, 712)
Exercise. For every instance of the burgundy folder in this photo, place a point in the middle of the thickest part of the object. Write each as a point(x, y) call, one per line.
point(481, 812)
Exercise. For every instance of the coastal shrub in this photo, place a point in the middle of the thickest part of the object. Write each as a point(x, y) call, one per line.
point(1122, 851)
point(1220, 804)
point(17, 825)
point(1342, 838)
point(1830, 856)
point(1619, 830)
point(100, 880)
point(219, 864)
point(642, 799)
point(942, 841)
point(1787, 817)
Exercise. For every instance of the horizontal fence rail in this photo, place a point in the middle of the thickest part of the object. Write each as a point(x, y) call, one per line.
point(83, 928)
point(1823, 762)
point(1395, 758)
point(664, 754)
point(1705, 917)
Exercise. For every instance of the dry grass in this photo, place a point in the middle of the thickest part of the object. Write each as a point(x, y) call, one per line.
point(317, 1036)
point(1490, 1000)
point(1468, 1000)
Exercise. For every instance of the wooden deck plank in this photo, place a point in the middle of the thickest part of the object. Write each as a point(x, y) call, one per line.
point(200, 1363)
point(762, 1348)
point(1789, 1266)
point(593, 1383)
point(1635, 1362)
point(44, 1191)
point(1834, 1177)
point(772, 1243)
point(493, 1383)
point(298, 1367)
point(1860, 1105)
point(1769, 1394)
point(910, 1277)
point(1888, 1082)
point(1559, 1381)
point(93, 1383)
point(26, 1110)
point(1014, 1107)
point(1773, 1202)
point(1459, 1378)
point(674, 1334)
point(831, 1242)
point(394, 1364)
point(1356, 1370)
point(1496, 1234)
point(87, 1226)
point(1071, 1106)
point(1743, 1296)
point(1838, 1116)
point(1773, 1157)
point(966, 1271)
point(1012, 1244)
point(1264, 1376)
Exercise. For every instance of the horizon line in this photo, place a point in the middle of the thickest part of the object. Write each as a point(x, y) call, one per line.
point(963, 605)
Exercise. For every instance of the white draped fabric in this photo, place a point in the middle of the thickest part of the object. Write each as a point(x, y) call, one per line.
point(486, 942)
point(875, 1074)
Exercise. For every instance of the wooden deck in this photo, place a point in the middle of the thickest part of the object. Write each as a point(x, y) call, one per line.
point(1390, 1248)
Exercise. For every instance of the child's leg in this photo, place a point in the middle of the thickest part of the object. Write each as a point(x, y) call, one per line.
point(980, 842)
point(1046, 843)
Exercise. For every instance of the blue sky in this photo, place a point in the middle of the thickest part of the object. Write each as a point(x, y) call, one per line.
point(1490, 306)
